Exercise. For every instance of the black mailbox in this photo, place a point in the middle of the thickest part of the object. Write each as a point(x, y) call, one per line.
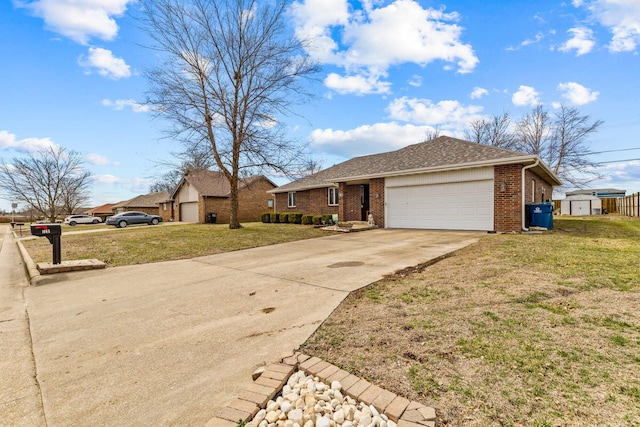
point(52, 232)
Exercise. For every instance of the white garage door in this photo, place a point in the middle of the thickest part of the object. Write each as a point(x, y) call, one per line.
point(189, 212)
point(465, 205)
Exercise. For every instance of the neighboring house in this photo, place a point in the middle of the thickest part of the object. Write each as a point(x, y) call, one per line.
point(102, 211)
point(203, 192)
point(601, 193)
point(445, 183)
point(147, 203)
point(581, 204)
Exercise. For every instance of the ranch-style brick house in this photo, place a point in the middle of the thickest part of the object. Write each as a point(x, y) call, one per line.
point(445, 183)
point(203, 192)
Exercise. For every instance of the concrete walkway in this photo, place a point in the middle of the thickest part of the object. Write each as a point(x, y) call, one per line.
point(170, 343)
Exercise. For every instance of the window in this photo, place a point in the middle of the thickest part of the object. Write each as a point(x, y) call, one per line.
point(292, 199)
point(270, 203)
point(333, 197)
point(164, 206)
point(533, 191)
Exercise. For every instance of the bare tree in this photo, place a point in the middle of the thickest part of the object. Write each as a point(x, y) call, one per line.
point(495, 131)
point(568, 153)
point(534, 132)
point(233, 70)
point(194, 157)
point(50, 181)
point(432, 134)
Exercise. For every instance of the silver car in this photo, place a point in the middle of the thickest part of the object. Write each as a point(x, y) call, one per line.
point(127, 218)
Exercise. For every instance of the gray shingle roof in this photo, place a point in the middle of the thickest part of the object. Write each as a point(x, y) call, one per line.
point(438, 153)
point(214, 183)
point(150, 200)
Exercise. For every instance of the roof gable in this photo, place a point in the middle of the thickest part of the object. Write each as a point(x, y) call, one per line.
point(214, 183)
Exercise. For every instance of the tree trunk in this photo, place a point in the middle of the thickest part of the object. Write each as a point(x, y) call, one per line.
point(234, 223)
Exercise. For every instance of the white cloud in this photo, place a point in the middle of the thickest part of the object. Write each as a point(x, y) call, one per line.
point(577, 94)
point(105, 63)
point(121, 104)
point(622, 17)
point(357, 85)
point(415, 81)
point(478, 92)
point(527, 42)
point(8, 141)
point(582, 41)
point(526, 95)
point(447, 115)
point(79, 20)
point(99, 160)
point(135, 185)
point(368, 139)
point(365, 43)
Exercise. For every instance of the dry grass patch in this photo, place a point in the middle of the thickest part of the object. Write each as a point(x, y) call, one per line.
point(535, 330)
point(144, 244)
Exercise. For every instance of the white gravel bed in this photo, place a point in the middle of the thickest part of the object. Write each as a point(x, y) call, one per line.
point(305, 401)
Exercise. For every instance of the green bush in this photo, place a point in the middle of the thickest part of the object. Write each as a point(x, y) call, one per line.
point(265, 217)
point(295, 218)
point(274, 217)
point(284, 217)
point(307, 219)
point(317, 220)
point(327, 219)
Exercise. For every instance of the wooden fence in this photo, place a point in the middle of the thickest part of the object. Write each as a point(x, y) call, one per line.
point(629, 205)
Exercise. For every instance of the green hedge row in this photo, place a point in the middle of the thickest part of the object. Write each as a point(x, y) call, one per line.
point(295, 218)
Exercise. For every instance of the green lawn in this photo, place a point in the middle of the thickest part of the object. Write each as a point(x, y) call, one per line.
point(143, 244)
point(529, 330)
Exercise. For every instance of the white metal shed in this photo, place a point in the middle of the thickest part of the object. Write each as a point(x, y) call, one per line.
point(581, 204)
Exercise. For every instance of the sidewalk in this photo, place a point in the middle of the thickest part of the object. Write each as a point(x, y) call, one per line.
point(20, 399)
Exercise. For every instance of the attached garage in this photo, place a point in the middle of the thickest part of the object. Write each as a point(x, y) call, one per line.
point(453, 200)
point(189, 212)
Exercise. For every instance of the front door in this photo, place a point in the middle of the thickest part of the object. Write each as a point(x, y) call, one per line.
point(364, 202)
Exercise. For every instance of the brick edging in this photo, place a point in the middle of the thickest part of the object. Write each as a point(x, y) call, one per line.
point(269, 381)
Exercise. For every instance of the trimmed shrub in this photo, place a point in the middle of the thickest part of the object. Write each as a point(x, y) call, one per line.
point(317, 220)
point(274, 217)
point(265, 217)
point(307, 219)
point(327, 219)
point(295, 218)
point(284, 218)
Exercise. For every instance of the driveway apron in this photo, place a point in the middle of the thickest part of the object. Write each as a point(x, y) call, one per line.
point(171, 343)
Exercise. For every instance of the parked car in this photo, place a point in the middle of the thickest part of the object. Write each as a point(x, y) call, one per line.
point(82, 219)
point(127, 218)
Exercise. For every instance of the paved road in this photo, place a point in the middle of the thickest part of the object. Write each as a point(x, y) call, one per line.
point(170, 343)
point(20, 403)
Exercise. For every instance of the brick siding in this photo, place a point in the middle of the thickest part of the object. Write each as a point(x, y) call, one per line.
point(312, 202)
point(508, 196)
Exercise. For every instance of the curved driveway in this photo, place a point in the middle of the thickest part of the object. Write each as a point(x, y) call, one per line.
point(171, 343)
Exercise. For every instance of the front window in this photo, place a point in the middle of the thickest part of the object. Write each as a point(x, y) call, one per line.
point(292, 200)
point(333, 197)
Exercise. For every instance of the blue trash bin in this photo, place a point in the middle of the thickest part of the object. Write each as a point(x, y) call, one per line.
point(541, 215)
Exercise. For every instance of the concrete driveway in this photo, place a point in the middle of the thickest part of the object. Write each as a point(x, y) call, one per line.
point(171, 343)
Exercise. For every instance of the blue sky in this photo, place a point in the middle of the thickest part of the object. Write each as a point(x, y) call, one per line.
point(71, 75)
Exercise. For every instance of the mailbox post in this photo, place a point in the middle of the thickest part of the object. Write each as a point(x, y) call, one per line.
point(52, 232)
